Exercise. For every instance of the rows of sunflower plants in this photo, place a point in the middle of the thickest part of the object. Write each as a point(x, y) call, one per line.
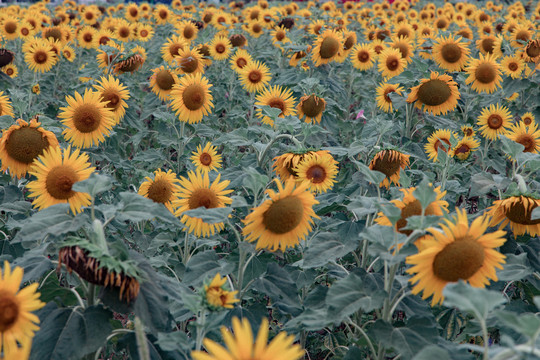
point(270, 180)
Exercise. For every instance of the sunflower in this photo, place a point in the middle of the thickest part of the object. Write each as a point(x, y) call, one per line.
point(5, 105)
point(255, 28)
point(240, 59)
point(240, 345)
point(68, 53)
point(384, 102)
point(87, 38)
point(389, 162)
point(26, 30)
point(411, 206)
point(238, 40)
point(191, 98)
point(40, 57)
point(162, 14)
point(285, 164)
point(438, 94)
point(279, 35)
point(187, 30)
point(468, 131)
point(163, 188)
point(531, 52)
point(521, 36)
point(196, 191)
point(298, 56)
point(494, 121)
point(189, 61)
point(103, 37)
point(450, 54)
point(125, 31)
point(513, 66)
point(220, 48)
point(9, 28)
point(327, 47)
point(363, 56)
point(36, 89)
point(17, 322)
point(114, 94)
point(318, 170)
point(21, 144)
point(206, 159)
point(465, 32)
point(87, 118)
point(283, 220)
point(516, 211)
point(144, 32)
point(132, 12)
point(312, 107)
point(10, 70)
point(254, 76)
point(440, 139)
point(56, 172)
point(528, 136)
point(217, 296)
point(464, 148)
point(171, 48)
point(391, 63)
point(405, 47)
point(162, 82)
point(6, 57)
point(528, 118)
point(490, 45)
point(278, 98)
point(459, 252)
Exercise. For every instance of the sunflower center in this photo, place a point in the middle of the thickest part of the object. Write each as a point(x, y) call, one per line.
point(513, 66)
point(26, 144)
point(439, 145)
point(241, 62)
point(527, 141)
point(329, 48)
point(523, 35)
point(207, 18)
point(160, 191)
point(133, 12)
point(460, 259)
point(533, 49)
point(434, 92)
point(9, 71)
point(220, 48)
point(451, 53)
point(55, 33)
point(89, 16)
point(88, 37)
point(378, 48)
point(387, 164)
point(277, 103)
point(462, 149)
point(257, 28)
point(255, 76)
point(6, 57)
point(9, 311)
point(143, 33)
point(386, 97)
point(280, 35)
point(312, 106)
point(485, 73)
point(517, 213)
point(87, 118)
point(124, 32)
point(488, 44)
point(189, 64)
point(441, 24)
point(205, 159)
point(203, 197)
point(25, 31)
point(363, 56)
point(403, 49)
point(237, 40)
point(163, 14)
point(412, 209)
point(495, 121)
point(188, 32)
point(111, 98)
point(349, 42)
point(527, 120)
point(193, 97)
point(10, 27)
point(174, 48)
point(164, 80)
point(316, 174)
point(317, 29)
point(392, 63)
point(283, 215)
point(40, 57)
point(59, 181)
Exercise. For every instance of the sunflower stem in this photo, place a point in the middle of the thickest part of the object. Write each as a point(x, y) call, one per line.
point(142, 342)
point(186, 254)
point(91, 294)
point(485, 335)
point(444, 174)
point(200, 329)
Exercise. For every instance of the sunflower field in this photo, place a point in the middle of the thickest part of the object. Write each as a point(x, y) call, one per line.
point(254, 180)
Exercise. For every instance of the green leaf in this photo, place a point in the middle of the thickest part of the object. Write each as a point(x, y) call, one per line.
point(516, 268)
point(269, 111)
point(210, 216)
point(374, 177)
point(17, 207)
point(425, 194)
point(254, 180)
point(136, 208)
point(526, 324)
point(432, 352)
point(477, 301)
point(279, 286)
point(510, 147)
point(95, 184)
point(327, 247)
point(204, 265)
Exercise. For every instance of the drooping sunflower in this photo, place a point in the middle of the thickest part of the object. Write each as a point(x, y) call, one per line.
point(298, 56)
point(189, 61)
point(162, 82)
point(391, 63)
point(191, 98)
point(17, 323)
point(411, 206)
point(450, 54)
point(327, 47)
point(464, 148)
point(240, 345)
point(10, 70)
point(196, 191)
point(87, 118)
point(484, 74)
point(6, 57)
point(171, 48)
point(163, 188)
point(114, 94)
point(528, 136)
point(220, 48)
point(238, 40)
point(389, 162)
point(459, 252)
point(21, 144)
point(206, 159)
point(56, 171)
point(278, 98)
point(240, 59)
point(319, 170)
point(531, 53)
point(5, 105)
point(283, 220)
point(440, 139)
point(217, 296)
point(384, 102)
point(311, 107)
point(528, 118)
point(438, 94)
point(513, 66)
point(363, 56)
point(494, 121)
point(255, 76)
point(516, 211)
point(40, 57)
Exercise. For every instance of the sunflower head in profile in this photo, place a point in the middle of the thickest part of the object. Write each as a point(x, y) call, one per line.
point(437, 95)
point(516, 210)
point(218, 296)
point(283, 220)
point(327, 48)
point(459, 252)
point(319, 170)
point(281, 347)
point(363, 56)
point(484, 74)
point(191, 98)
point(240, 59)
point(494, 121)
point(384, 102)
point(17, 322)
point(5, 105)
point(162, 82)
point(254, 76)
point(278, 98)
point(21, 144)
point(528, 118)
point(56, 171)
point(87, 119)
point(197, 191)
point(440, 139)
point(189, 61)
point(206, 159)
point(298, 56)
point(114, 94)
point(129, 63)
point(311, 107)
point(285, 164)
point(531, 53)
point(463, 149)
point(450, 54)
point(391, 63)
point(162, 189)
point(6, 57)
point(410, 206)
point(528, 136)
point(238, 40)
point(390, 163)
